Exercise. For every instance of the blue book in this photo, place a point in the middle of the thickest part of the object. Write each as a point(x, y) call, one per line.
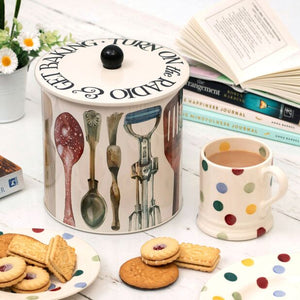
point(238, 125)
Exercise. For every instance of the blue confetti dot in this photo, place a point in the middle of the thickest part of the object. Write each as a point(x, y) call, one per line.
point(80, 284)
point(279, 293)
point(279, 269)
point(67, 236)
point(222, 188)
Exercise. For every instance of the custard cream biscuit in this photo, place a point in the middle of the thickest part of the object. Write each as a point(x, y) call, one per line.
point(198, 255)
point(197, 267)
point(160, 249)
point(12, 271)
point(5, 240)
point(30, 249)
point(61, 259)
point(139, 275)
point(36, 280)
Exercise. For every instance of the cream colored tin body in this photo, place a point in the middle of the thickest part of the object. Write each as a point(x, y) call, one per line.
point(112, 136)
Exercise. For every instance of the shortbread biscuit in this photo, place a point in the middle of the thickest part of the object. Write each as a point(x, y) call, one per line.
point(137, 274)
point(30, 249)
point(36, 280)
point(160, 249)
point(197, 267)
point(5, 240)
point(61, 259)
point(198, 255)
point(12, 271)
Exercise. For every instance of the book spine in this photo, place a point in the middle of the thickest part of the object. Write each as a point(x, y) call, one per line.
point(250, 101)
point(208, 103)
point(238, 125)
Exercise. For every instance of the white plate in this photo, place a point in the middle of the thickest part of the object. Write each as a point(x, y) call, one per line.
point(272, 277)
point(87, 268)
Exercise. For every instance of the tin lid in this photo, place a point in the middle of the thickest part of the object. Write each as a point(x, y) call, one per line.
point(94, 72)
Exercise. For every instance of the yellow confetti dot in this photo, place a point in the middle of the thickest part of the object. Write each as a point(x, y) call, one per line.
point(248, 262)
point(224, 146)
point(218, 298)
point(251, 209)
point(6, 61)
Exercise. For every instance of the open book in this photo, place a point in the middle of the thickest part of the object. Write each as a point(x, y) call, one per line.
point(246, 41)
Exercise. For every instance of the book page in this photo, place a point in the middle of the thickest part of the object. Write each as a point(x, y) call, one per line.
point(249, 37)
point(247, 32)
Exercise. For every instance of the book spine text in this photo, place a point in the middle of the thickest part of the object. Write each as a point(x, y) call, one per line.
point(238, 125)
point(248, 100)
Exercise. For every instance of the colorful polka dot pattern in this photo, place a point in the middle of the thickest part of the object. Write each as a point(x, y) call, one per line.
point(222, 188)
point(257, 282)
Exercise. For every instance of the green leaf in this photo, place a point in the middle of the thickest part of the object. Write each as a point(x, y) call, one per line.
point(2, 14)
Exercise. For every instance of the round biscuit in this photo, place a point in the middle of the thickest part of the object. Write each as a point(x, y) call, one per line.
point(160, 248)
point(11, 268)
point(35, 279)
point(139, 275)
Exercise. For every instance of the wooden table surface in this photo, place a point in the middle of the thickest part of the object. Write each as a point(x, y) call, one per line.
point(21, 141)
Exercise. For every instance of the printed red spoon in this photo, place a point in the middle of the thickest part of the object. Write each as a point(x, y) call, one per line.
point(69, 143)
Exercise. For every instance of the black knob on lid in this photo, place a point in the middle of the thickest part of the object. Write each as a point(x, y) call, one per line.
point(112, 57)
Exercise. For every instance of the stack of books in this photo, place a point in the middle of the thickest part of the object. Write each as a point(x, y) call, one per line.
point(245, 71)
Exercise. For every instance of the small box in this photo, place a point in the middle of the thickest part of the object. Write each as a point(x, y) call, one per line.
point(11, 177)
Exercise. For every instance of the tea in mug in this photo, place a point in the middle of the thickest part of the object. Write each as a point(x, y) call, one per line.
point(236, 158)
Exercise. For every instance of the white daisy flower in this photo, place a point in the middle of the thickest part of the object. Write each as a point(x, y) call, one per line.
point(29, 41)
point(8, 61)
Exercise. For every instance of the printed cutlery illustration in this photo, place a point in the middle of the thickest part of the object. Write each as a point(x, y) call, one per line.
point(69, 143)
point(93, 205)
point(144, 169)
point(113, 158)
point(172, 124)
point(49, 155)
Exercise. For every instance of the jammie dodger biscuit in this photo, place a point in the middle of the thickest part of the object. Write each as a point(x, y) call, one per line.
point(12, 271)
point(160, 251)
point(36, 280)
point(137, 274)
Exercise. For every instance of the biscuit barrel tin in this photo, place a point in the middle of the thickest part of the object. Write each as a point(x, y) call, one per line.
point(112, 115)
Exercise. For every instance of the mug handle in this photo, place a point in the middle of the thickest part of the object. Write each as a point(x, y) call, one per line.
point(283, 185)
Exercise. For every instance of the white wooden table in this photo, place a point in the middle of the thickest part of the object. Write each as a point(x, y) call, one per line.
point(157, 21)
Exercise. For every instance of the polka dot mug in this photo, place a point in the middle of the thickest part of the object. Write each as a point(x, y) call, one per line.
point(235, 200)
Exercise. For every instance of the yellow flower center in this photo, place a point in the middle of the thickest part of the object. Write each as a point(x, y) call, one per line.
point(6, 61)
point(28, 42)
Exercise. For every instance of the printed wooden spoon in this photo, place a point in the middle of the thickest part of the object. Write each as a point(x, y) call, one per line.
point(69, 143)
